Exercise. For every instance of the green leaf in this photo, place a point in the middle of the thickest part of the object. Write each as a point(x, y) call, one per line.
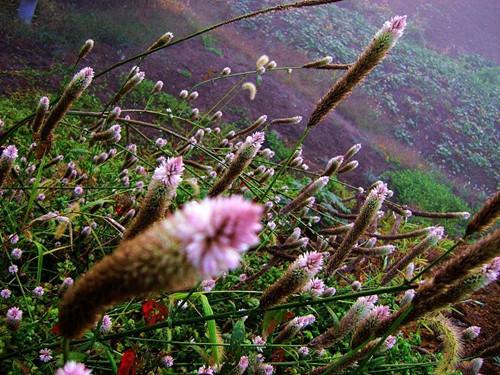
point(212, 332)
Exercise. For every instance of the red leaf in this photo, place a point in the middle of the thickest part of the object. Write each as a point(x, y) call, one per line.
point(127, 364)
point(154, 312)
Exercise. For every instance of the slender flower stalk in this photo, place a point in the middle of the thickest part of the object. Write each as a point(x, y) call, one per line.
point(307, 192)
point(40, 114)
point(73, 91)
point(428, 242)
point(241, 161)
point(367, 213)
point(203, 239)
point(293, 280)
point(7, 159)
point(161, 191)
point(383, 41)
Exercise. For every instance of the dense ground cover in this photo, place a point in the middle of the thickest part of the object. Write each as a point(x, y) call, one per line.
point(65, 209)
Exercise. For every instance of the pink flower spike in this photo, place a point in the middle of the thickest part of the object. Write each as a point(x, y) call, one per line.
point(170, 172)
point(106, 324)
point(315, 286)
point(243, 363)
point(256, 139)
point(471, 333)
point(73, 368)
point(311, 262)
point(265, 369)
point(214, 232)
point(9, 153)
point(206, 371)
point(259, 342)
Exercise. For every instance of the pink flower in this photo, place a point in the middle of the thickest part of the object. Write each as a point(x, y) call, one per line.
point(45, 355)
point(265, 369)
point(170, 172)
point(160, 142)
point(356, 285)
point(208, 285)
point(471, 333)
point(311, 262)
point(303, 351)
point(437, 232)
point(205, 370)
point(379, 313)
point(330, 291)
point(78, 190)
point(9, 153)
point(38, 291)
point(167, 361)
point(303, 321)
point(389, 342)
point(13, 239)
point(256, 139)
point(379, 191)
point(243, 363)
point(83, 78)
point(106, 324)
point(259, 342)
point(5, 293)
point(214, 232)
point(13, 269)
point(68, 281)
point(491, 270)
point(395, 26)
point(14, 314)
point(315, 286)
point(73, 368)
point(16, 253)
point(243, 277)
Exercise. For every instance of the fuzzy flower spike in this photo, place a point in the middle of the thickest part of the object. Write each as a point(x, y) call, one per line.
point(241, 161)
point(383, 41)
point(161, 190)
point(201, 240)
point(7, 158)
point(294, 280)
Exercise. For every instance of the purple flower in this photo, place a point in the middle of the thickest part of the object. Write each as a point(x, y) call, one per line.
point(491, 270)
point(206, 370)
point(40, 197)
point(259, 342)
point(395, 26)
point(38, 291)
point(68, 281)
point(13, 239)
point(303, 351)
point(14, 314)
point(106, 324)
point(379, 191)
point(117, 132)
point(9, 153)
point(265, 369)
point(73, 368)
point(167, 361)
point(84, 77)
point(170, 172)
point(356, 285)
point(13, 269)
point(243, 363)
point(139, 185)
point(471, 333)
point(160, 142)
point(310, 261)
point(5, 293)
point(16, 253)
point(256, 139)
point(214, 232)
point(208, 284)
point(78, 190)
point(315, 286)
point(45, 355)
point(303, 321)
point(243, 277)
point(389, 342)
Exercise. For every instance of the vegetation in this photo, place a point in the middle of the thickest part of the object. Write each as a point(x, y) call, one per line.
point(140, 234)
